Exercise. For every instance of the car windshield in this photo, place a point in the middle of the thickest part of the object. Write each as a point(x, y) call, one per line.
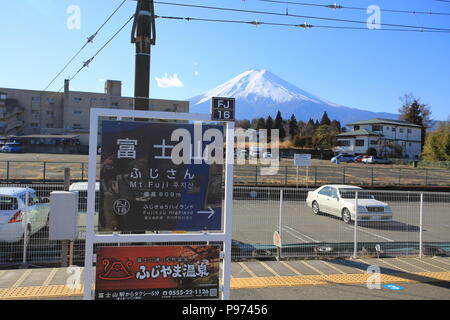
point(350, 194)
point(8, 203)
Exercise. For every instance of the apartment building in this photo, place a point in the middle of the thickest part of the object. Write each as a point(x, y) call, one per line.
point(391, 138)
point(33, 112)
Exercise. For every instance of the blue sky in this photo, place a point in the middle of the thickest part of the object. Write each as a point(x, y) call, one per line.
point(356, 68)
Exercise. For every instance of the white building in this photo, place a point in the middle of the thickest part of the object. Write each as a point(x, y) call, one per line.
point(391, 138)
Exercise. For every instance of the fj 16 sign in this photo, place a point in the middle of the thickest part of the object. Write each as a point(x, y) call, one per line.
point(160, 176)
point(222, 109)
point(157, 272)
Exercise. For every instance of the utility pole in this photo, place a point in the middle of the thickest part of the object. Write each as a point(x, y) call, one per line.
point(143, 34)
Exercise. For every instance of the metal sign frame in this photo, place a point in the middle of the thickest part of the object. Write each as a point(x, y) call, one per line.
point(92, 237)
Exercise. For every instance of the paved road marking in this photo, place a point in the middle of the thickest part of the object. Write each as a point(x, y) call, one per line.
point(422, 261)
point(302, 234)
point(440, 260)
point(333, 267)
point(394, 266)
point(413, 265)
point(37, 292)
point(371, 233)
point(311, 267)
point(295, 236)
point(269, 268)
point(50, 277)
point(291, 268)
point(22, 278)
point(247, 269)
point(350, 265)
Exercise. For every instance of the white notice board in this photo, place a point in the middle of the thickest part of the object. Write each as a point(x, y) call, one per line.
point(302, 159)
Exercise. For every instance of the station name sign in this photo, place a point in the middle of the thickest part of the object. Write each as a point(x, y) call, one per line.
point(160, 176)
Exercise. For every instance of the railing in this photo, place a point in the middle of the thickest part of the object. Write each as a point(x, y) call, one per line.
point(362, 175)
point(419, 225)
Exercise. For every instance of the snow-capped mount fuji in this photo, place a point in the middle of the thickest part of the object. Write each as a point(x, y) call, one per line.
point(260, 93)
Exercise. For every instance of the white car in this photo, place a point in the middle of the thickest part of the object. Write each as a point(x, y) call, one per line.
point(81, 188)
point(267, 155)
point(339, 200)
point(21, 210)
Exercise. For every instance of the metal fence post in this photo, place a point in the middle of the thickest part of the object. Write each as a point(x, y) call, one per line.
point(355, 242)
point(315, 176)
point(421, 226)
point(25, 233)
point(279, 225)
point(82, 171)
point(371, 179)
point(43, 171)
point(399, 175)
point(285, 176)
point(7, 171)
point(343, 175)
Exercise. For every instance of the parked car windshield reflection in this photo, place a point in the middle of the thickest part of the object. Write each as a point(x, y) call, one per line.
point(345, 194)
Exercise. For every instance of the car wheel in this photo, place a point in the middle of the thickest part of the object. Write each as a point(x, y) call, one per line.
point(315, 207)
point(346, 216)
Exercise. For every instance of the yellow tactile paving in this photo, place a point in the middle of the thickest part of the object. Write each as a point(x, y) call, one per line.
point(266, 282)
point(243, 283)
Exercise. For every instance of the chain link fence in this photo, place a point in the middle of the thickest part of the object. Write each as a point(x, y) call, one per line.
point(388, 223)
point(364, 175)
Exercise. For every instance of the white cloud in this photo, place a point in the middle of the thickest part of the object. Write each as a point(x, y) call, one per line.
point(195, 73)
point(169, 81)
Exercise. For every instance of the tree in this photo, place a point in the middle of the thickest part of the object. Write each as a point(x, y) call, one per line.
point(269, 127)
point(244, 124)
point(415, 112)
point(371, 151)
point(325, 120)
point(279, 125)
point(293, 126)
point(437, 144)
point(261, 124)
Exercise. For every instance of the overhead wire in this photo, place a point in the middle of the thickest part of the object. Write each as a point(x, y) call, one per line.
point(89, 40)
point(335, 6)
point(87, 62)
point(296, 16)
point(303, 25)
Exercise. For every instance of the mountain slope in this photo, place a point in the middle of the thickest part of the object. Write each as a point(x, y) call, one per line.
point(260, 93)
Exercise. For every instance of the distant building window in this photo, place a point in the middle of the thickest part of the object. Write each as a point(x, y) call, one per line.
point(77, 112)
point(387, 128)
point(77, 126)
point(77, 99)
point(34, 111)
point(35, 99)
point(49, 113)
point(393, 129)
point(356, 127)
point(359, 143)
point(410, 144)
point(377, 127)
point(372, 142)
point(49, 125)
point(401, 130)
point(115, 104)
point(34, 124)
point(344, 143)
point(51, 100)
point(3, 96)
point(409, 130)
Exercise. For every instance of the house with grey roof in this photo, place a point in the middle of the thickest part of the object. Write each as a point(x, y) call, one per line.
point(390, 138)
